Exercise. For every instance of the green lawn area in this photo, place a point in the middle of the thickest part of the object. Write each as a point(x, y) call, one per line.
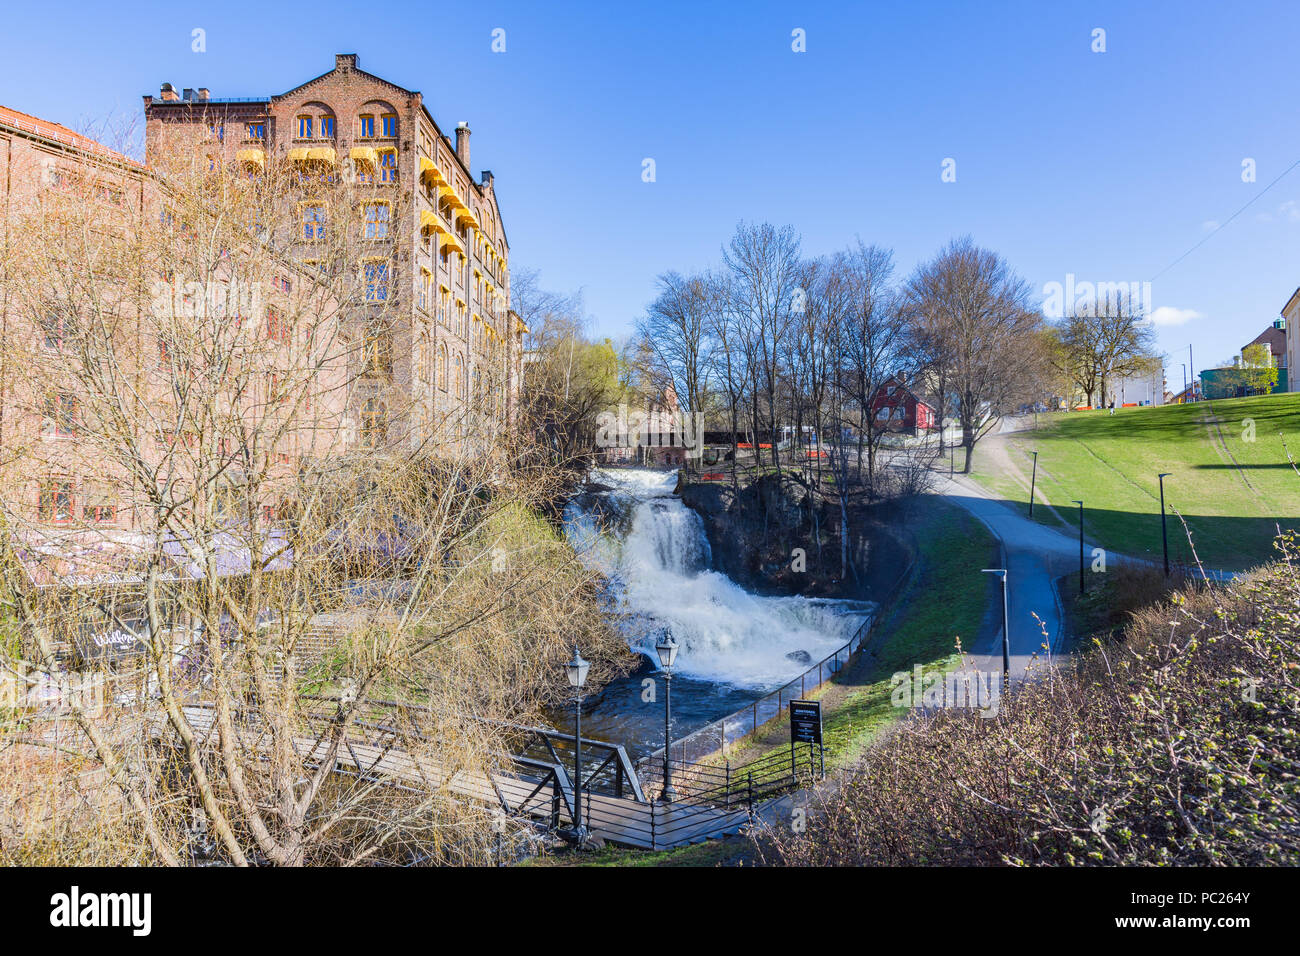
point(1228, 475)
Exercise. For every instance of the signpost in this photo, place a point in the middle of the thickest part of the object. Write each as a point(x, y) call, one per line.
point(806, 728)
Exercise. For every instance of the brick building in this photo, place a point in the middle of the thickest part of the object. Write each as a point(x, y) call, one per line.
point(85, 302)
point(454, 352)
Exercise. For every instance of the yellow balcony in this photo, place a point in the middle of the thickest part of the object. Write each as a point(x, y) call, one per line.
point(365, 154)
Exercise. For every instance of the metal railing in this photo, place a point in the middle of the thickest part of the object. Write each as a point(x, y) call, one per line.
point(723, 733)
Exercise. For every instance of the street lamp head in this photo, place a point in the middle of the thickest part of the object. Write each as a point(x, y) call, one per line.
point(1001, 572)
point(576, 670)
point(1164, 474)
point(666, 648)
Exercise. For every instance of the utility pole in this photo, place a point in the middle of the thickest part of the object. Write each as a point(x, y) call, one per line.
point(1164, 529)
point(1006, 627)
point(1083, 586)
point(1032, 480)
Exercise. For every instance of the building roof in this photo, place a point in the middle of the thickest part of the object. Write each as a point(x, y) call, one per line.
point(1274, 338)
point(56, 132)
point(926, 400)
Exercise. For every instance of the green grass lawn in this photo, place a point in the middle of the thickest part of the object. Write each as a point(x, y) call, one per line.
point(1228, 476)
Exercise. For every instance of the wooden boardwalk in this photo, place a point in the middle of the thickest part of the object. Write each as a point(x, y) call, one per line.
point(545, 794)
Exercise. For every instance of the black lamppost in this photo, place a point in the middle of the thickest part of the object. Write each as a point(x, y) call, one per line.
point(1164, 529)
point(1006, 627)
point(1033, 480)
point(667, 651)
point(1083, 587)
point(576, 671)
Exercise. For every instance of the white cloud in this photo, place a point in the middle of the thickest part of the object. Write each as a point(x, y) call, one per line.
point(1290, 209)
point(1168, 315)
point(1210, 225)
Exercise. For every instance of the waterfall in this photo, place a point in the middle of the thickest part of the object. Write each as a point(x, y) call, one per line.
point(654, 551)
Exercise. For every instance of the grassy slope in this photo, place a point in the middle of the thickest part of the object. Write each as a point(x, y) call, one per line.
point(916, 629)
point(1232, 491)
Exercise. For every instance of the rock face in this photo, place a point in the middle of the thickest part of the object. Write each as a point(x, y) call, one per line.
point(771, 538)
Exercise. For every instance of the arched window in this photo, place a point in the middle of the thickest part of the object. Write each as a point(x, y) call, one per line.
point(423, 360)
point(442, 367)
point(460, 376)
point(374, 423)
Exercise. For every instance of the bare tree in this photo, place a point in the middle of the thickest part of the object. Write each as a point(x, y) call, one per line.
point(983, 309)
point(209, 466)
point(873, 342)
point(764, 262)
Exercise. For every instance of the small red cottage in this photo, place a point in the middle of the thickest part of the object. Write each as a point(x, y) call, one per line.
point(897, 408)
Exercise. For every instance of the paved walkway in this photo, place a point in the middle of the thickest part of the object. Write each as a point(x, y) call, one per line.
point(1035, 557)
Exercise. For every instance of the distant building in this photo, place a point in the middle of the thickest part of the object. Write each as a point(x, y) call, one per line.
point(1291, 326)
point(895, 407)
point(1139, 388)
point(1226, 382)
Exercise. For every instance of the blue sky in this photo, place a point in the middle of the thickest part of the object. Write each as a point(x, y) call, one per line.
point(1107, 166)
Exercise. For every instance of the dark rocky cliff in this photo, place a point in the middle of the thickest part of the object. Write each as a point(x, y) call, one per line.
point(754, 536)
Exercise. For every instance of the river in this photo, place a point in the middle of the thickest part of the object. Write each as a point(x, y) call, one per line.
point(735, 645)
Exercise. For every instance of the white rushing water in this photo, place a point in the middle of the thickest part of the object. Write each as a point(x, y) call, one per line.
point(656, 555)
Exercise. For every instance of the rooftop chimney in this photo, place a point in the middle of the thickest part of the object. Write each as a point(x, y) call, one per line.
point(187, 95)
point(462, 143)
point(203, 93)
point(168, 93)
point(486, 177)
point(344, 62)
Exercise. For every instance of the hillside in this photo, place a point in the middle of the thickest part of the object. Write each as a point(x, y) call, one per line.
point(1228, 475)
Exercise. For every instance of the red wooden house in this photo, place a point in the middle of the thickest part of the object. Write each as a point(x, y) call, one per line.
point(897, 408)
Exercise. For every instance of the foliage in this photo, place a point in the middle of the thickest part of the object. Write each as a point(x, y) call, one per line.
point(1176, 746)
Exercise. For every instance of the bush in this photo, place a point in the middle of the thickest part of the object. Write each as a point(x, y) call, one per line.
point(1175, 745)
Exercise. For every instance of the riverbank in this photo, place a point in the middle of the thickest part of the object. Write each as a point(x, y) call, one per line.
point(944, 598)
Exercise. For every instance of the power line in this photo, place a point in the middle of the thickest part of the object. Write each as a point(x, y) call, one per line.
point(1226, 221)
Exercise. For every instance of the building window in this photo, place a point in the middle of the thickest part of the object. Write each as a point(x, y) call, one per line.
point(460, 376)
point(377, 350)
point(61, 415)
point(277, 325)
point(374, 423)
point(99, 511)
point(388, 166)
point(327, 127)
point(257, 131)
point(56, 501)
point(313, 223)
point(367, 127)
point(304, 127)
point(376, 281)
point(376, 221)
point(422, 293)
point(442, 367)
point(57, 329)
point(217, 131)
point(390, 125)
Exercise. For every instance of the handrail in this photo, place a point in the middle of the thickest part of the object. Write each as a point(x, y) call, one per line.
point(735, 727)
